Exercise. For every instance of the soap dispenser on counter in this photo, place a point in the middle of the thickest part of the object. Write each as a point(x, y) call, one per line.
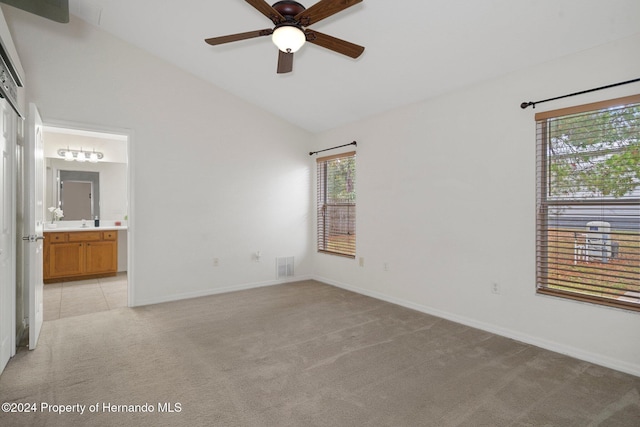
point(96, 222)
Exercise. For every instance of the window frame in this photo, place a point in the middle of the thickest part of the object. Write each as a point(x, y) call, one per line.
point(543, 204)
point(322, 225)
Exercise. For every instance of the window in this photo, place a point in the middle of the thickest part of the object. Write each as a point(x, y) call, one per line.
point(588, 224)
point(337, 204)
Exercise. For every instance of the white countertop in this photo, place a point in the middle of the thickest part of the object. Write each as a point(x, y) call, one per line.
point(80, 228)
point(67, 226)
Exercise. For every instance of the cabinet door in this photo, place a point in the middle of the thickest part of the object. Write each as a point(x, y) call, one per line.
point(66, 259)
point(102, 257)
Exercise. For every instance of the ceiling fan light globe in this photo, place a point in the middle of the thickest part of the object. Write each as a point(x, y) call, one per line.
point(289, 39)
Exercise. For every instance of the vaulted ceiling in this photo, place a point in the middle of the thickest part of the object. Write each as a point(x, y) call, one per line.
point(415, 49)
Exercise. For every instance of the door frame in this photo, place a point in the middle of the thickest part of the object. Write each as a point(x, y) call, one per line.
point(129, 134)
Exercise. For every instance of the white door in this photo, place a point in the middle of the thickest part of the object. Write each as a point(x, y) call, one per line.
point(34, 222)
point(7, 234)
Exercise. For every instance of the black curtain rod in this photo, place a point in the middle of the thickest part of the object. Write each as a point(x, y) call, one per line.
point(526, 104)
point(333, 148)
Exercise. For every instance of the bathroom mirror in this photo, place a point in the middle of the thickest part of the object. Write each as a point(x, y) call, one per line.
point(79, 194)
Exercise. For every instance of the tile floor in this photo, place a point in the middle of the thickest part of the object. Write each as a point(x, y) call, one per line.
point(69, 299)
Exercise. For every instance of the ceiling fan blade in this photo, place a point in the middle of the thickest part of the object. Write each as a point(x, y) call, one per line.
point(335, 44)
point(285, 62)
point(237, 37)
point(323, 9)
point(264, 8)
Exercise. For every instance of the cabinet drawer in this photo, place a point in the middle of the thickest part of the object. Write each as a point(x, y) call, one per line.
point(85, 236)
point(56, 237)
point(110, 235)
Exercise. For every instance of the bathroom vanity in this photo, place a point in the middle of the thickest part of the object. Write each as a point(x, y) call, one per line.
point(71, 254)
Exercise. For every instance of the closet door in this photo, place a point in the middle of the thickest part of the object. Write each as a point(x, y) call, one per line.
point(7, 234)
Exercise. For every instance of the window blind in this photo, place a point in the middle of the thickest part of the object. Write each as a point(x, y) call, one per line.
point(588, 201)
point(336, 180)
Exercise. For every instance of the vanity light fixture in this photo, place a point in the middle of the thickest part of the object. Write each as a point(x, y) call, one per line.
point(80, 155)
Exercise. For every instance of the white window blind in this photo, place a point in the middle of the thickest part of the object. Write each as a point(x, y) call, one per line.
point(337, 204)
point(588, 201)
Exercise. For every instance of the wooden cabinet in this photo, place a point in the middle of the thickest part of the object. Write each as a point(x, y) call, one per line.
point(77, 255)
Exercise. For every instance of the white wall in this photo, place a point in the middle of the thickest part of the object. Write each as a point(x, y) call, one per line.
point(446, 197)
point(213, 176)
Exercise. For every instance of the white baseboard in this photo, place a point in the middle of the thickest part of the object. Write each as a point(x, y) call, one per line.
point(215, 291)
point(629, 368)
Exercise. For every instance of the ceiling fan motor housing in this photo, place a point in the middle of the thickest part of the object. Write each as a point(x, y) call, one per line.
point(284, 30)
point(288, 9)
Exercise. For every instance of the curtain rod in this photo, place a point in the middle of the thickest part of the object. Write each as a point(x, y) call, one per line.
point(333, 148)
point(526, 104)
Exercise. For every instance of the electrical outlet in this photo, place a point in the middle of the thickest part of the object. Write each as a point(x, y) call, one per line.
point(495, 288)
point(386, 266)
point(216, 262)
point(361, 262)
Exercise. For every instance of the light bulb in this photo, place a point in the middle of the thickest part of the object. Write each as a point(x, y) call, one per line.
point(93, 157)
point(68, 156)
point(81, 157)
point(288, 38)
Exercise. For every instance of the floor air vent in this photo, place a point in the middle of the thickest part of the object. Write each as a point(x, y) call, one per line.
point(284, 267)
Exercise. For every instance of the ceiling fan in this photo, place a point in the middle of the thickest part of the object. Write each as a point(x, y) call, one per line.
point(290, 33)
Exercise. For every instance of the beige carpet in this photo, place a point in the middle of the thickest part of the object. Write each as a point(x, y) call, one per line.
point(302, 354)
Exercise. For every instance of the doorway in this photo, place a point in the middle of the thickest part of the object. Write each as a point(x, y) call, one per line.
point(84, 190)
